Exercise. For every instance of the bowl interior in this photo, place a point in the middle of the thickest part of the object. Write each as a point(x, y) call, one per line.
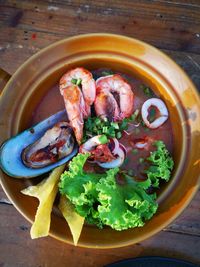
point(171, 199)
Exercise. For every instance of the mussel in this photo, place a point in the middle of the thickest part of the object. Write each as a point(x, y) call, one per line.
point(54, 145)
point(39, 149)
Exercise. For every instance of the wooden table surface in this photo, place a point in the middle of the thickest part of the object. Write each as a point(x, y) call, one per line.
point(28, 26)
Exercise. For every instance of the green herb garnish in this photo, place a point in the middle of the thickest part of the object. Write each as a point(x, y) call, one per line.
point(79, 81)
point(131, 172)
point(147, 90)
point(103, 139)
point(76, 81)
point(96, 126)
point(141, 160)
point(115, 125)
point(134, 151)
point(124, 125)
point(107, 73)
point(118, 135)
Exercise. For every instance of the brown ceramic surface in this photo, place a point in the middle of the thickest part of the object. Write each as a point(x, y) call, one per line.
point(42, 71)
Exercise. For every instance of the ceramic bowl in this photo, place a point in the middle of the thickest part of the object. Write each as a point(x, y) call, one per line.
point(31, 83)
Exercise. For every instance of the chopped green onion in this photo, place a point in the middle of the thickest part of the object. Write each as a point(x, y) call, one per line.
point(79, 81)
point(115, 125)
point(131, 172)
point(105, 129)
point(103, 139)
point(141, 160)
point(74, 81)
point(111, 130)
point(97, 121)
point(106, 73)
point(124, 125)
point(148, 91)
point(119, 135)
point(134, 115)
point(97, 126)
point(134, 151)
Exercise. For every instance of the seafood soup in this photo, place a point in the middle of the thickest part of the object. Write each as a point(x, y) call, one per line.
point(110, 150)
point(137, 138)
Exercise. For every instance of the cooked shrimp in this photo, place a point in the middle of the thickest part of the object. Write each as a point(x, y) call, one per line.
point(106, 106)
point(160, 106)
point(88, 86)
point(74, 103)
point(78, 100)
point(114, 98)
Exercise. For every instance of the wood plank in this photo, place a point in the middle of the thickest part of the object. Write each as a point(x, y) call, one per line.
point(161, 24)
point(189, 221)
point(24, 45)
point(32, 253)
point(37, 29)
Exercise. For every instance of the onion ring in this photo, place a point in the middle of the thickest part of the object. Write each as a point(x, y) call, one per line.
point(116, 162)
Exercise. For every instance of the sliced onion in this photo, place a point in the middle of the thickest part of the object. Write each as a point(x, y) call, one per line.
point(127, 133)
point(135, 125)
point(118, 150)
point(90, 144)
point(116, 162)
point(116, 146)
point(123, 148)
point(140, 145)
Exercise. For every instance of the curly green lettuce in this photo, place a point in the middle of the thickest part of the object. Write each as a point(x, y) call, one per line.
point(79, 186)
point(161, 164)
point(102, 201)
point(124, 206)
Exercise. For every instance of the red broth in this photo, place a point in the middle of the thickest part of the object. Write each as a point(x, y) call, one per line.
point(142, 133)
point(53, 102)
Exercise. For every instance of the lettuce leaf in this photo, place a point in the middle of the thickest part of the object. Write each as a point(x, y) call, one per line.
point(161, 164)
point(102, 201)
point(124, 206)
point(80, 188)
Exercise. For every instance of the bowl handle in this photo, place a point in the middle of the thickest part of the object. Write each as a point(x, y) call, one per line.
point(4, 78)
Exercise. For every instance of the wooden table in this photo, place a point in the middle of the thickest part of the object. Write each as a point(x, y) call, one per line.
point(28, 26)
